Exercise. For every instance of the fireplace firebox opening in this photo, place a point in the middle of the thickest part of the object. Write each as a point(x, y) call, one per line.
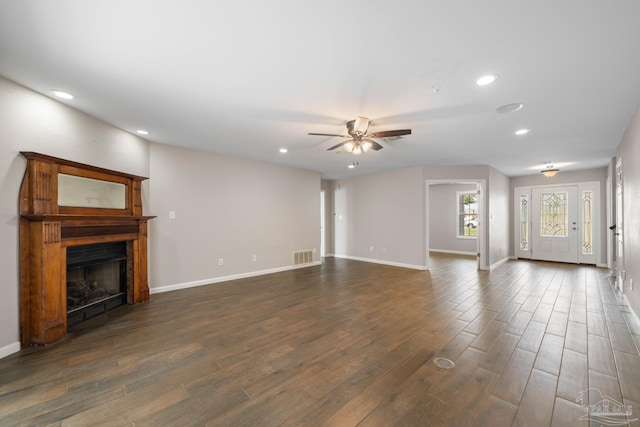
point(96, 280)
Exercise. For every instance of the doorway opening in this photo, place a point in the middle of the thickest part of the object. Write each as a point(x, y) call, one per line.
point(455, 219)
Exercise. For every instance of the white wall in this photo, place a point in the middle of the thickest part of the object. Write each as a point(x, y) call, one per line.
point(629, 151)
point(443, 219)
point(381, 217)
point(32, 122)
point(226, 208)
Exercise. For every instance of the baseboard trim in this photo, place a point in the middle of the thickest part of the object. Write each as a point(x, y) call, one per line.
point(499, 263)
point(446, 251)
point(10, 349)
point(186, 285)
point(380, 261)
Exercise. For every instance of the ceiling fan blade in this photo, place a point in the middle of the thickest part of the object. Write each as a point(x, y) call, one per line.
point(328, 134)
point(390, 133)
point(374, 145)
point(339, 145)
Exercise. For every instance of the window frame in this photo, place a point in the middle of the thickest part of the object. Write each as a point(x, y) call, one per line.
point(460, 215)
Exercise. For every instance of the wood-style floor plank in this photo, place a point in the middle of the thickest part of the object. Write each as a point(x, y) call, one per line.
point(345, 343)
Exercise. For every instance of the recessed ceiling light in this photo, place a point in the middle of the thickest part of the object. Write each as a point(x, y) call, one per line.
point(284, 150)
point(62, 94)
point(142, 132)
point(486, 80)
point(522, 131)
point(509, 108)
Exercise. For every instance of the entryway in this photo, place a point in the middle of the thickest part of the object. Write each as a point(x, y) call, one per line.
point(558, 223)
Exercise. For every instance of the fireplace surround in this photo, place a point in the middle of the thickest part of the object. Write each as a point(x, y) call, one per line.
point(65, 204)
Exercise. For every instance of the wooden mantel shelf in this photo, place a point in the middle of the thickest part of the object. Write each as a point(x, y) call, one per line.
point(84, 218)
point(47, 229)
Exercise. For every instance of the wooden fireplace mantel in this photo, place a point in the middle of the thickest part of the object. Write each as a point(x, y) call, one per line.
point(47, 229)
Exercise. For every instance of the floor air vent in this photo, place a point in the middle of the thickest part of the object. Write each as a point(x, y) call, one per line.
point(302, 257)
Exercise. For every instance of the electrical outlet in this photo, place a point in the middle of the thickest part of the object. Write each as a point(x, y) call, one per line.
point(371, 248)
point(220, 261)
point(630, 284)
point(255, 258)
point(172, 214)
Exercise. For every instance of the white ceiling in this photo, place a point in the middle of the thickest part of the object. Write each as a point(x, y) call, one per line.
point(245, 78)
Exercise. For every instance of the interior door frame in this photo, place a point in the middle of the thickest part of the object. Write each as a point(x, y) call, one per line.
point(596, 225)
point(619, 231)
point(482, 225)
point(323, 224)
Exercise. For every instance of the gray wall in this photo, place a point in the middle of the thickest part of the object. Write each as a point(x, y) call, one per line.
point(32, 122)
point(381, 217)
point(443, 219)
point(226, 208)
point(629, 151)
point(396, 200)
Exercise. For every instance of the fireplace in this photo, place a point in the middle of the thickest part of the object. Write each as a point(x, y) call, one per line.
point(83, 245)
point(96, 280)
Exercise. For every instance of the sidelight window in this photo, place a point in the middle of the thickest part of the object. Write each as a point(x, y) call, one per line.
point(587, 225)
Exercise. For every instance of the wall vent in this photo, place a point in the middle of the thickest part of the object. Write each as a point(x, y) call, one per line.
point(302, 257)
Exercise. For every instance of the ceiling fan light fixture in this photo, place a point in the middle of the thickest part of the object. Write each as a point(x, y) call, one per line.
point(550, 172)
point(366, 146)
point(348, 147)
point(357, 150)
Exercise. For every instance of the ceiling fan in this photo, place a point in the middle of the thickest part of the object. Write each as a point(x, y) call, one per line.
point(360, 141)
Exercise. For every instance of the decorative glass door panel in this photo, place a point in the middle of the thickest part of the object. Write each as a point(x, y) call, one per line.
point(554, 214)
point(555, 224)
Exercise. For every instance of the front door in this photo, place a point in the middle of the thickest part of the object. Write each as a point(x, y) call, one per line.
point(554, 224)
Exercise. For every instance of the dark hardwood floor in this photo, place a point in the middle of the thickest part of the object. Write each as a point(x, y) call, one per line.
point(346, 343)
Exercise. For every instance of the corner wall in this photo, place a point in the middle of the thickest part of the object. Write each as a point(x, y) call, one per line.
point(380, 217)
point(230, 209)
